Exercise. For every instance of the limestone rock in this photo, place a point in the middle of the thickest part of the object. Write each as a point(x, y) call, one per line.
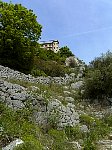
point(13, 144)
point(84, 128)
point(77, 85)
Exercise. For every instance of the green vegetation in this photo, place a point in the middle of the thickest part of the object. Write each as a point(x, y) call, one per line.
point(48, 63)
point(98, 79)
point(65, 52)
point(19, 32)
point(98, 129)
point(19, 49)
point(17, 124)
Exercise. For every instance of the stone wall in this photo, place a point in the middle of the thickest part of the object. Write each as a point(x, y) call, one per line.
point(7, 73)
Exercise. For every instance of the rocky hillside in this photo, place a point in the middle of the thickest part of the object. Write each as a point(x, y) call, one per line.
point(48, 113)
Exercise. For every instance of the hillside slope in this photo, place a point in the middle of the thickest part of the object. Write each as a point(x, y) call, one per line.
point(49, 113)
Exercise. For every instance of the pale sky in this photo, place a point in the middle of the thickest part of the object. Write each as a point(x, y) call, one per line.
point(85, 26)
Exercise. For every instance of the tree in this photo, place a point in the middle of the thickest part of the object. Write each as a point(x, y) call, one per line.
point(65, 52)
point(98, 80)
point(19, 33)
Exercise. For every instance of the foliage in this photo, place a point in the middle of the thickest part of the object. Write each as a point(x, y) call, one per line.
point(49, 68)
point(86, 119)
point(48, 63)
point(97, 127)
point(30, 145)
point(59, 140)
point(98, 80)
point(47, 55)
point(73, 133)
point(19, 32)
point(65, 52)
point(89, 145)
point(108, 119)
point(16, 124)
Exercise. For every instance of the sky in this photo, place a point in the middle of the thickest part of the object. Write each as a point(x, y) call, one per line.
point(85, 26)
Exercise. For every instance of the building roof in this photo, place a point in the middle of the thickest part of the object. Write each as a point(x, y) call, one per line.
point(48, 42)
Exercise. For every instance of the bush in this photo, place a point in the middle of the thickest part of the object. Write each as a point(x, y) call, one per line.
point(65, 52)
point(98, 79)
point(50, 68)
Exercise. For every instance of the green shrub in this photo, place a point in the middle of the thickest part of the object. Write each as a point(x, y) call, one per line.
point(73, 132)
point(65, 52)
point(89, 145)
point(86, 119)
point(59, 140)
point(98, 79)
point(36, 72)
point(50, 68)
point(108, 120)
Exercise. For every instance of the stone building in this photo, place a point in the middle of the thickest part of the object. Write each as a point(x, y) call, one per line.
point(51, 45)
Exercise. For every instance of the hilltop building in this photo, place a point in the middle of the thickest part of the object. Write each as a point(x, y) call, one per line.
point(52, 45)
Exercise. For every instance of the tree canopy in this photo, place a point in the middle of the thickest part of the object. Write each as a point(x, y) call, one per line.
point(65, 52)
point(19, 33)
point(98, 81)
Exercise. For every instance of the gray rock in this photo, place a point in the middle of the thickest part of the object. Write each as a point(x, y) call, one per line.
point(17, 104)
point(70, 105)
point(84, 128)
point(72, 75)
point(77, 85)
point(13, 144)
point(19, 96)
point(7, 73)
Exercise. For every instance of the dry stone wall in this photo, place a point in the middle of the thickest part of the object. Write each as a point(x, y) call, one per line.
point(7, 73)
